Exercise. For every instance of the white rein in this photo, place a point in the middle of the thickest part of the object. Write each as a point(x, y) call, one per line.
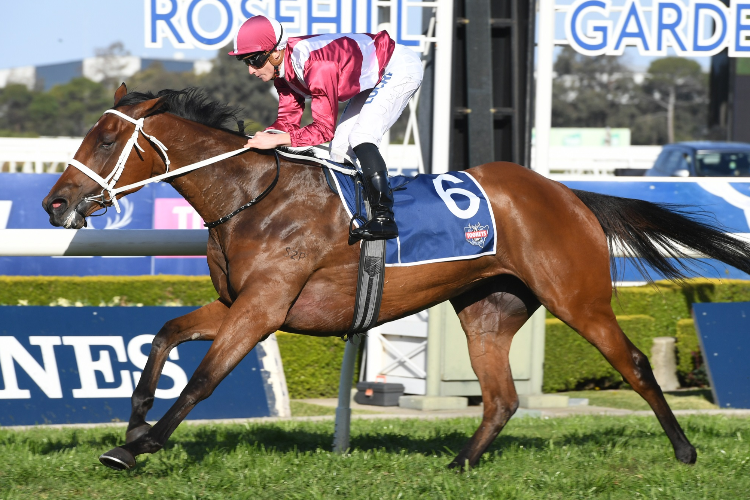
point(108, 183)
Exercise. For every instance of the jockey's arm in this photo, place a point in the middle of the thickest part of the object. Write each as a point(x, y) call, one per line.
point(268, 140)
point(291, 107)
point(322, 79)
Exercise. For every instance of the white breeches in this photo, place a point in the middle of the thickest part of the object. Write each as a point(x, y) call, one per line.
point(372, 112)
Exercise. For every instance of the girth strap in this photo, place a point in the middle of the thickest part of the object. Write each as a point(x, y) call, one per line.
point(370, 279)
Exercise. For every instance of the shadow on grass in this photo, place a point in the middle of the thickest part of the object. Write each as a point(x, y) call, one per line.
point(69, 441)
point(203, 442)
point(200, 442)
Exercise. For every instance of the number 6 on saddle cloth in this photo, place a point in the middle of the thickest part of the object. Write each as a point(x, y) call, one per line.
point(442, 217)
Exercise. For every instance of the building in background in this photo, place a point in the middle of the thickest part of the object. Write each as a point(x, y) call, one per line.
point(94, 68)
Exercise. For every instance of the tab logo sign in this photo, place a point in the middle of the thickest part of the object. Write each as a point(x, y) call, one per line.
point(53, 372)
point(211, 24)
point(698, 28)
point(175, 213)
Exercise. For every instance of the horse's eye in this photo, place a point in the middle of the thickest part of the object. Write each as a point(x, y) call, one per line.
point(106, 145)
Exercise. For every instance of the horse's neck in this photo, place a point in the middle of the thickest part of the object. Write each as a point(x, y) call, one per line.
point(214, 190)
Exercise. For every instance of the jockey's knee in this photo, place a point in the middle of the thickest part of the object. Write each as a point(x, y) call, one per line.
point(361, 135)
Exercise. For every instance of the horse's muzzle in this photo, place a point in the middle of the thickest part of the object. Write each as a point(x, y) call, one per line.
point(61, 213)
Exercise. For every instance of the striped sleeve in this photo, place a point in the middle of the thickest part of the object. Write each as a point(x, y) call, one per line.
point(291, 107)
point(322, 80)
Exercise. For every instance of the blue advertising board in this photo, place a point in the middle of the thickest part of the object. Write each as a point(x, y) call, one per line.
point(61, 365)
point(724, 334)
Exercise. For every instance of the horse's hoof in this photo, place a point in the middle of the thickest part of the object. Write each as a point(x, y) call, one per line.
point(136, 433)
point(459, 465)
point(118, 459)
point(687, 455)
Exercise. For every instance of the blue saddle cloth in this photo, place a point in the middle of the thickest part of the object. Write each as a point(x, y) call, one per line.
point(440, 217)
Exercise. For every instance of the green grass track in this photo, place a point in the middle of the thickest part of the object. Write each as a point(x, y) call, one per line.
point(565, 458)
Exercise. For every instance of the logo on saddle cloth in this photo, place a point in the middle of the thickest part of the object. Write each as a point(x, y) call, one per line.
point(476, 234)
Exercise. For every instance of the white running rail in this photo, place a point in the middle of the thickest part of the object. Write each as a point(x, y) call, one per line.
point(137, 242)
point(45, 154)
point(88, 242)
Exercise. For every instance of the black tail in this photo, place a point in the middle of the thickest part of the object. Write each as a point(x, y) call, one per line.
point(647, 229)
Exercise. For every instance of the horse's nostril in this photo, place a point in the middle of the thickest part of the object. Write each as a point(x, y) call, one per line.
point(58, 204)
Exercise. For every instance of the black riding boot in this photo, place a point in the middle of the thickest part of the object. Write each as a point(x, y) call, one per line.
point(381, 226)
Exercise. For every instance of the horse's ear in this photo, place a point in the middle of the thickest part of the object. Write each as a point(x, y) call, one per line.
point(120, 93)
point(149, 107)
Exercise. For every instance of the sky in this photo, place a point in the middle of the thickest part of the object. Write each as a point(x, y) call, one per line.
point(37, 32)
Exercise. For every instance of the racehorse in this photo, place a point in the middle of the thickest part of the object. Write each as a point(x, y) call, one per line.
point(285, 264)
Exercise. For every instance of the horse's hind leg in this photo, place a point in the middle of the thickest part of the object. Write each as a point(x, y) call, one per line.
point(201, 324)
point(584, 303)
point(490, 315)
point(598, 325)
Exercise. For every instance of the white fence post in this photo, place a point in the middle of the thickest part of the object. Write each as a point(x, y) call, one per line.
point(442, 115)
point(543, 94)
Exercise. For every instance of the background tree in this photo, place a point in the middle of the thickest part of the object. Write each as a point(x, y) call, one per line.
point(14, 103)
point(44, 114)
point(80, 102)
point(111, 64)
point(680, 87)
point(156, 78)
point(669, 103)
point(592, 91)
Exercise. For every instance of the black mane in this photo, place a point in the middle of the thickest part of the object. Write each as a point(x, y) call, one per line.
point(192, 104)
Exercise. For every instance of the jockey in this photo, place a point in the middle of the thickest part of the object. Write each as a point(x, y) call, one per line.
point(374, 74)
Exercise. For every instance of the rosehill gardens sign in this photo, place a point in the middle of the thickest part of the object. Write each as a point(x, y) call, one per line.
point(690, 28)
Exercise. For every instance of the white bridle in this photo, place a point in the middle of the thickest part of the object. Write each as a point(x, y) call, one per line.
point(108, 183)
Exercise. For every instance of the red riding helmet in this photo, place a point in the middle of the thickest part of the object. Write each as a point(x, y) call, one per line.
point(258, 34)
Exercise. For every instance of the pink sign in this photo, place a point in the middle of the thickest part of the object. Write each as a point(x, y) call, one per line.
point(176, 213)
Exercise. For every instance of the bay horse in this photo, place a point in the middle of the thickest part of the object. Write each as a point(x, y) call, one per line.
point(285, 264)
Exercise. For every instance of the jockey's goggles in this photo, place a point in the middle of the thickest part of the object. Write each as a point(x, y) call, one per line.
point(258, 59)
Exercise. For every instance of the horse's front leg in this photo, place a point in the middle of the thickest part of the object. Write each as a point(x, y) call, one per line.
point(248, 320)
point(201, 324)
